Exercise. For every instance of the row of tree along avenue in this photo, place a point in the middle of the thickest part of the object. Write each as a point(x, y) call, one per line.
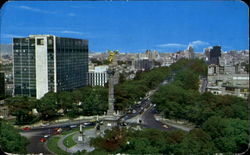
point(85, 101)
point(221, 121)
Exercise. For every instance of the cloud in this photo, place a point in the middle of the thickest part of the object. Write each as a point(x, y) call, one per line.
point(35, 9)
point(172, 45)
point(71, 14)
point(198, 43)
point(11, 36)
point(72, 32)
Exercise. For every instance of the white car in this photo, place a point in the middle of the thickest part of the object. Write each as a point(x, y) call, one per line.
point(46, 136)
point(46, 124)
point(73, 126)
point(165, 126)
point(86, 123)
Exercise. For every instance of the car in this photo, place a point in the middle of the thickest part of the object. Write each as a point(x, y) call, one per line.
point(165, 126)
point(86, 123)
point(123, 124)
point(57, 131)
point(46, 136)
point(46, 124)
point(73, 126)
point(26, 128)
point(42, 140)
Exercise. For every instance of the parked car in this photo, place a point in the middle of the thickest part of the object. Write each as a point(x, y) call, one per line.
point(26, 128)
point(46, 136)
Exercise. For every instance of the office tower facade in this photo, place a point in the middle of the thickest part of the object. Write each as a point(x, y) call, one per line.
point(44, 63)
point(214, 55)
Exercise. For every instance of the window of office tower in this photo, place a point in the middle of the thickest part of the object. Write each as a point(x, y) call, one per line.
point(40, 41)
point(50, 41)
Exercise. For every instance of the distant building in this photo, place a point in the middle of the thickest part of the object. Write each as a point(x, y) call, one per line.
point(149, 54)
point(152, 55)
point(44, 63)
point(98, 76)
point(214, 55)
point(227, 82)
point(2, 84)
point(191, 52)
point(143, 64)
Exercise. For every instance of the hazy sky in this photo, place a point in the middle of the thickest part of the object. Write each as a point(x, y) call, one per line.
point(166, 26)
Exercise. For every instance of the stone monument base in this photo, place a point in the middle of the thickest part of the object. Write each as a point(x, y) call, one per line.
point(80, 138)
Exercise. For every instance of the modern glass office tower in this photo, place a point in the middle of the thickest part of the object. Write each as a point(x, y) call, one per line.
point(44, 63)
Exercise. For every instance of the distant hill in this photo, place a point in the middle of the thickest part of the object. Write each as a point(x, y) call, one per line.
point(6, 49)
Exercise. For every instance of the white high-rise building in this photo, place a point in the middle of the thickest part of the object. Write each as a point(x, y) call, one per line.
point(44, 63)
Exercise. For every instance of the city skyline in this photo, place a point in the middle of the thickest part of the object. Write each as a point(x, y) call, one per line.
point(132, 27)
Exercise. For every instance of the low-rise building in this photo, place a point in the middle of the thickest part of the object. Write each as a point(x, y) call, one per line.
point(98, 76)
point(227, 80)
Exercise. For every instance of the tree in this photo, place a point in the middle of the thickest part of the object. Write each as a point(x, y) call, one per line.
point(77, 96)
point(65, 100)
point(21, 107)
point(141, 145)
point(229, 135)
point(10, 140)
point(47, 106)
point(94, 100)
point(197, 141)
point(189, 79)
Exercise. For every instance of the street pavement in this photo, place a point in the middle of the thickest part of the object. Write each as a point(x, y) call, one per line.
point(177, 126)
point(35, 145)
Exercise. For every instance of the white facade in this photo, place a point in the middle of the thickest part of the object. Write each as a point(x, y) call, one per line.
point(98, 76)
point(41, 69)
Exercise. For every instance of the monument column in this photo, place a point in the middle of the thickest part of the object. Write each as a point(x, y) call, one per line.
point(111, 74)
point(111, 92)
